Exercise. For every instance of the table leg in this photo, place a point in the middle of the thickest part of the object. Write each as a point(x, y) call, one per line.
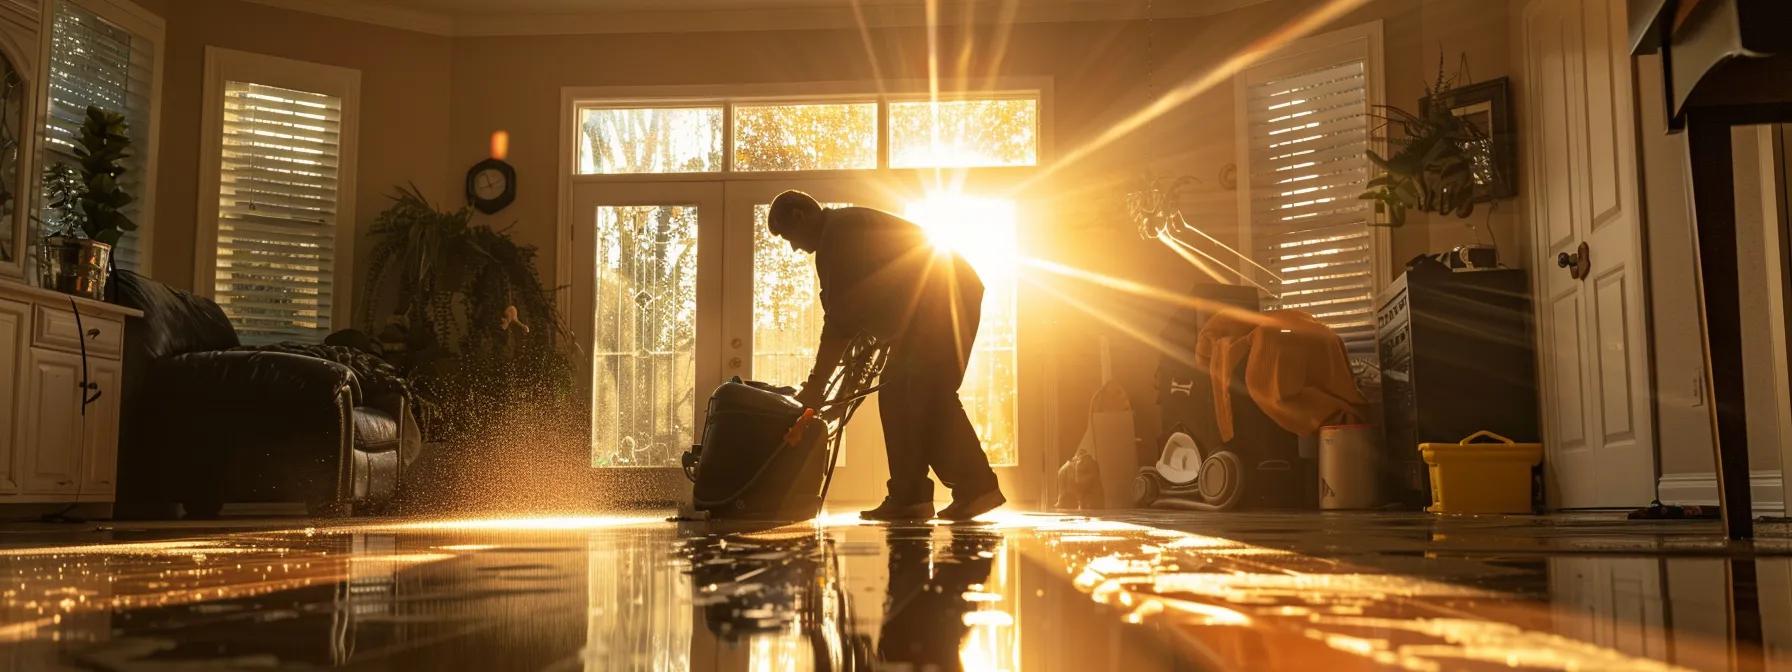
point(1714, 219)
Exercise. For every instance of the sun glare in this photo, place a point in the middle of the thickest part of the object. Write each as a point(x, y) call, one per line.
point(982, 230)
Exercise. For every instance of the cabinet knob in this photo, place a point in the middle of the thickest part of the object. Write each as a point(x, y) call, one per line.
point(93, 333)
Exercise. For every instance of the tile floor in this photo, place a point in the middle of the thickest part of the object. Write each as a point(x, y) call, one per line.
point(1133, 591)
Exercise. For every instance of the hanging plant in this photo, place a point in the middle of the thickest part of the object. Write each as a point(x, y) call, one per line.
point(1434, 156)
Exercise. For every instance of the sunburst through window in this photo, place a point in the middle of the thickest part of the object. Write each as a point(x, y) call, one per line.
point(982, 230)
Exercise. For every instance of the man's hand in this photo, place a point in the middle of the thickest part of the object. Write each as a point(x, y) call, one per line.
point(809, 396)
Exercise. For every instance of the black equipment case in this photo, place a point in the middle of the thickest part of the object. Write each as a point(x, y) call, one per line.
point(754, 462)
point(765, 457)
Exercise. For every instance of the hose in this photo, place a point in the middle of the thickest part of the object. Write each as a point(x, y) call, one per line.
point(860, 365)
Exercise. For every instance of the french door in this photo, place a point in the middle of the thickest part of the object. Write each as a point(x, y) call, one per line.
point(678, 286)
point(648, 259)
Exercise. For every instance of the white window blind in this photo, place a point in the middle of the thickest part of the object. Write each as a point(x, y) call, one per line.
point(277, 211)
point(1308, 133)
point(96, 62)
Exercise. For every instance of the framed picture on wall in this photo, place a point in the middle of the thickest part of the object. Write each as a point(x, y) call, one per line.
point(1485, 104)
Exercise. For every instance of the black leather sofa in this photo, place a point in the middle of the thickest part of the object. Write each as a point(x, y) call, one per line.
point(205, 422)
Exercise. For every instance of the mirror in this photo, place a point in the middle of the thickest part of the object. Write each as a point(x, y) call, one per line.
point(12, 121)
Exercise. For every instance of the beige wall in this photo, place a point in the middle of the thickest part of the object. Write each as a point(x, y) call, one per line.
point(1683, 423)
point(1683, 420)
point(404, 107)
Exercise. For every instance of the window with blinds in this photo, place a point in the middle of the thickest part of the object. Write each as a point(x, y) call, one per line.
point(1308, 133)
point(96, 62)
point(277, 211)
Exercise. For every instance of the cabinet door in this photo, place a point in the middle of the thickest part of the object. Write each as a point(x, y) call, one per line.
point(99, 429)
point(52, 446)
point(12, 357)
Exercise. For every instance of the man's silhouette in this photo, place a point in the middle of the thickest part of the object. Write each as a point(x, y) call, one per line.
point(880, 275)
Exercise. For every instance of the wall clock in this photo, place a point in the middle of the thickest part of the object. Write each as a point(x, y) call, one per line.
point(491, 185)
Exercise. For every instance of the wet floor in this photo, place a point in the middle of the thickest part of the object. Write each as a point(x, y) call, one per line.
point(1033, 592)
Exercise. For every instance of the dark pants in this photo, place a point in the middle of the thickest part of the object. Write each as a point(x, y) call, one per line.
point(924, 422)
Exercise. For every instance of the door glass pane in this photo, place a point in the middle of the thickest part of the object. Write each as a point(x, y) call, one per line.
point(650, 140)
point(964, 133)
point(786, 306)
point(832, 136)
point(644, 345)
point(983, 231)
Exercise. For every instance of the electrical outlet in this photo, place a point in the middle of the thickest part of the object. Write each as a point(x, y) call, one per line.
point(1698, 389)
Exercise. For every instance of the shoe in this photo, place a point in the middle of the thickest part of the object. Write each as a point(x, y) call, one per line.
point(963, 509)
point(891, 512)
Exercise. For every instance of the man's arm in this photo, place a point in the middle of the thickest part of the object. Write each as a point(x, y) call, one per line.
point(827, 359)
point(835, 336)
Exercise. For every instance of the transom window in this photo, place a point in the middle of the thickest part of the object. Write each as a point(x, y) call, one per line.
point(809, 135)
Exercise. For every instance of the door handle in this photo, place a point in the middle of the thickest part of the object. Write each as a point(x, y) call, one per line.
point(1579, 264)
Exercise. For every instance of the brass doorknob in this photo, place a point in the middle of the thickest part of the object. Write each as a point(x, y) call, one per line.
point(1579, 264)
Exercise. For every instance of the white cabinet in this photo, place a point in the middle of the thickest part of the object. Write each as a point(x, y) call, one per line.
point(21, 42)
point(15, 318)
point(99, 429)
point(52, 455)
point(60, 387)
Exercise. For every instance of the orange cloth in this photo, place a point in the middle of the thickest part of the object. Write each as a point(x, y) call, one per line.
point(1295, 369)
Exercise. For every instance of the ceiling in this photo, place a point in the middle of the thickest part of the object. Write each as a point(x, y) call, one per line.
point(546, 17)
point(488, 7)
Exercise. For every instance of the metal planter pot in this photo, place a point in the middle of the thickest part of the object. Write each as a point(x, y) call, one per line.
point(75, 266)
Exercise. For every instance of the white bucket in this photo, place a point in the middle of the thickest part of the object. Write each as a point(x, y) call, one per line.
point(1348, 474)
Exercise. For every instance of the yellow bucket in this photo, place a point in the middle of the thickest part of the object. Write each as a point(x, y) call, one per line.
point(1470, 477)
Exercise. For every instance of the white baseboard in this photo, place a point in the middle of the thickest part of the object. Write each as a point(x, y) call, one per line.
point(1701, 488)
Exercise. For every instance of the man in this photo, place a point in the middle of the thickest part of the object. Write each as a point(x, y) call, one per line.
point(879, 275)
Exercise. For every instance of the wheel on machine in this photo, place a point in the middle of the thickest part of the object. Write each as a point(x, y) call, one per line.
point(1222, 477)
point(1144, 489)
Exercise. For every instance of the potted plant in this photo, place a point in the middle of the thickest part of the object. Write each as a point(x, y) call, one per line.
point(1434, 158)
point(461, 309)
point(85, 217)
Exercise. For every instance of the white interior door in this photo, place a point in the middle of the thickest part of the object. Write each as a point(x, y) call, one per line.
point(1580, 186)
point(646, 300)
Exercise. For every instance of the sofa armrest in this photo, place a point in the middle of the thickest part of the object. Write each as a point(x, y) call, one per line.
point(241, 377)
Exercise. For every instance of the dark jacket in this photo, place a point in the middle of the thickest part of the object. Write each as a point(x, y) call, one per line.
point(880, 274)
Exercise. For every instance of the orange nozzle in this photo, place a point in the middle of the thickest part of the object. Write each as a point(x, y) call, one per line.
point(795, 435)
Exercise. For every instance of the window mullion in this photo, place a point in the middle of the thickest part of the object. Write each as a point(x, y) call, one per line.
point(728, 136)
point(883, 133)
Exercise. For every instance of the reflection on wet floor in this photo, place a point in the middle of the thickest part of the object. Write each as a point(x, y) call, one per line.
point(1031, 592)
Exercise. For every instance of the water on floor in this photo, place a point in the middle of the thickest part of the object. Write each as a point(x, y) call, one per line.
point(1033, 592)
